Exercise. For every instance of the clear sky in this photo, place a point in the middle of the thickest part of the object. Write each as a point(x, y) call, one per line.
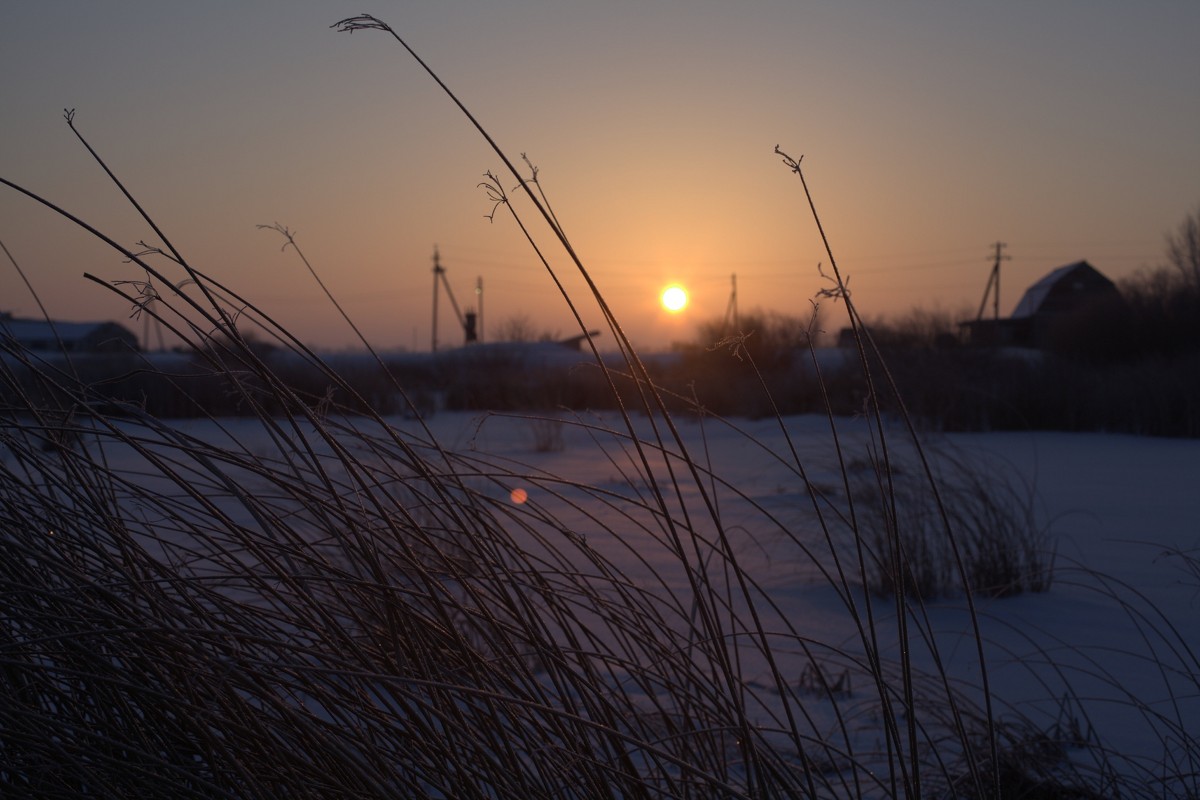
point(1068, 130)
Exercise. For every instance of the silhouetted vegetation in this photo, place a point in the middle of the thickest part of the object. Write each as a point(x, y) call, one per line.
point(1127, 363)
point(342, 607)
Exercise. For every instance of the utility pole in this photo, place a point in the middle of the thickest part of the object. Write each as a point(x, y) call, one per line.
point(466, 321)
point(993, 284)
point(437, 277)
point(479, 306)
point(731, 311)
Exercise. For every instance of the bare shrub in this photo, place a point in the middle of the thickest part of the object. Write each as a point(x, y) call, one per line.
point(974, 527)
point(920, 328)
point(546, 432)
point(1183, 250)
point(1030, 763)
point(721, 367)
point(521, 328)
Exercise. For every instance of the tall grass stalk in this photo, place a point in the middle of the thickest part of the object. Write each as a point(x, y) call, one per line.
point(320, 601)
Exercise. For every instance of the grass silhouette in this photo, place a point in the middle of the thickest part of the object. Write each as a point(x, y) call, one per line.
point(320, 602)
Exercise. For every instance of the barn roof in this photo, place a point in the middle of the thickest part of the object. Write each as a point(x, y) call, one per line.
point(1031, 302)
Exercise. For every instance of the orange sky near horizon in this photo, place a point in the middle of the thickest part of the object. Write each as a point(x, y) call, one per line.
point(928, 133)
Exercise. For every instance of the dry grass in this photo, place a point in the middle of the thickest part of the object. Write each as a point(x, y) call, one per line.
point(354, 610)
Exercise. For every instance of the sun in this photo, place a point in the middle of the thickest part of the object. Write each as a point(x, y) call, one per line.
point(674, 298)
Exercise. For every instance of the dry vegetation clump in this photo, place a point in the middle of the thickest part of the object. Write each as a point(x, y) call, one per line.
point(347, 608)
point(974, 528)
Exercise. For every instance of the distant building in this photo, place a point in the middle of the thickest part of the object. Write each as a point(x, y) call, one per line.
point(73, 337)
point(576, 342)
point(1064, 293)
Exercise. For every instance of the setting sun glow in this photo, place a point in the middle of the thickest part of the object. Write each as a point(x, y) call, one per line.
point(674, 299)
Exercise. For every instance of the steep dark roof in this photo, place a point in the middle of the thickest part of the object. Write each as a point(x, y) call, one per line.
point(1080, 274)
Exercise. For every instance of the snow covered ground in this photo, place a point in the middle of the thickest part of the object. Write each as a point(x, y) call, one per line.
point(1119, 626)
point(1117, 629)
point(1108, 655)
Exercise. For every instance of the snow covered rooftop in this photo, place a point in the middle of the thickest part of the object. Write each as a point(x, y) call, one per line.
point(1035, 296)
point(40, 334)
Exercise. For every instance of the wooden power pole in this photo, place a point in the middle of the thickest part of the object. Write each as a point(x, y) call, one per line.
point(469, 322)
point(438, 272)
point(993, 284)
point(731, 311)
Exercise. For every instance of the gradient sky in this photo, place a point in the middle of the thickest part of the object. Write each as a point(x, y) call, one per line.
point(1069, 130)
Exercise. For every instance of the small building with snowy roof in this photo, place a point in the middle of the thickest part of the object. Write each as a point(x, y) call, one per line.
point(49, 336)
point(1048, 304)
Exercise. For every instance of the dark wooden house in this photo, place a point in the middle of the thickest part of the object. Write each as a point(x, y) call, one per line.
point(1047, 306)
